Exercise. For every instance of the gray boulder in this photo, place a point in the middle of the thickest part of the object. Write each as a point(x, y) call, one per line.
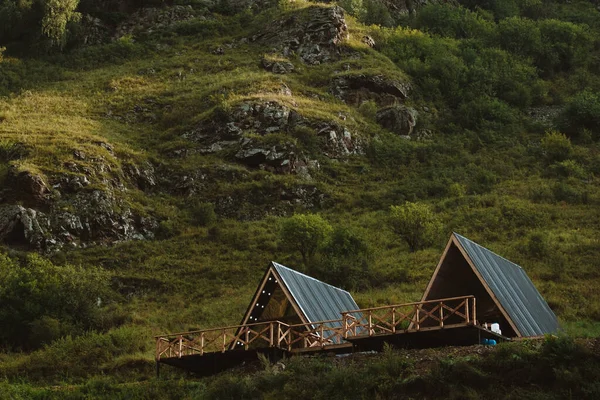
point(397, 119)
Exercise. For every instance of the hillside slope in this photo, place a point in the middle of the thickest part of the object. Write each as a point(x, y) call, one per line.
point(168, 145)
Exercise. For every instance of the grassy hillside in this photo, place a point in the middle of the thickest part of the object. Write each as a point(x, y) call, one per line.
point(171, 155)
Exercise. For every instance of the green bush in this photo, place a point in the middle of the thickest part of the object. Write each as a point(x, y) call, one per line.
point(203, 214)
point(454, 21)
point(556, 146)
point(567, 168)
point(37, 294)
point(344, 260)
point(305, 233)
point(538, 244)
point(581, 113)
point(416, 224)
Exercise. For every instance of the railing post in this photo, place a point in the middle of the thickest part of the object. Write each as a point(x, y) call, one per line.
point(271, 330)
point(393, 319)
point(474, 311)
point(467, 311)
point(441, 314)
point(278, 335)
point(247, 337)
point(224, 341)
point(180, 346)
point(370, 323)
point(157, 354)
point(345, 325)
point(202, 343)
point(322, 338)
point(418, 317)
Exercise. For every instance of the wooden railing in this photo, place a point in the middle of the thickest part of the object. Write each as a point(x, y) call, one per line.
point(411, 317)
point(257, 335)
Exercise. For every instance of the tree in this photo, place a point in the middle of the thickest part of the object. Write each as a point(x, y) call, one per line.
point(57, 13)
point(556, 146)
point(30, 21)
point(415, 223)
point(581, 113)
point(42, 301)
point(305, 233)
point(345, 260)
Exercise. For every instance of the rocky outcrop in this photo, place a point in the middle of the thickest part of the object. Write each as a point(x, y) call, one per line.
point(398, 119)
point(26, 186)
point(339, 141)
point(354, 89)
point(23, 226)
point(256, 132)
point(148, 20)
point(277, 66)
point(314, 35)
point(275, 199)
point(86, 203)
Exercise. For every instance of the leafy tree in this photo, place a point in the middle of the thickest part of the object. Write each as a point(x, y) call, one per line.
point(566, 45)
point(40, 299)
point(305, 233)
point(520, 36)
point(415, 223)
point(582, 112)
point(454, 21)
point(345, 260)
point(57, 13)
point(556, 146)
point(30, 21)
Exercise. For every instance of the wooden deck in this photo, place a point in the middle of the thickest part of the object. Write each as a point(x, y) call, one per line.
point(421, 324)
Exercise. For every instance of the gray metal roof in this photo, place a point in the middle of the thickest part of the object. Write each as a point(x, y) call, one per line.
point(318, 301)
point(514, 290)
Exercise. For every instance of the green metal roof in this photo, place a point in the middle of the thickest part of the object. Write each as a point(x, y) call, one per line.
point(514, 290)
point(318, 301)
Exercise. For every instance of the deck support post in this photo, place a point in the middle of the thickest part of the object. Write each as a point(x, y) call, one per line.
point(157, 369)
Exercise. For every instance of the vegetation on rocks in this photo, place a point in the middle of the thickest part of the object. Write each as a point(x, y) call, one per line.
point(154, 156)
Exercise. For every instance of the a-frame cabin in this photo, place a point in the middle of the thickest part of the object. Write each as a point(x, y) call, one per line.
point(504, 293)
point(292, 297)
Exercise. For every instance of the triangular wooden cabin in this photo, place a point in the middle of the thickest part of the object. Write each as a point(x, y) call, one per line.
point(504, 293)
point(295, 298)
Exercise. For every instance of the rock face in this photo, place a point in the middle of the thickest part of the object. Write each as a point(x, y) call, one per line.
point(47, 212)
point(357, 88)
point(397, 119)
point(150, 19)
point(315, 35)
point(254, 131)
point(277, 66)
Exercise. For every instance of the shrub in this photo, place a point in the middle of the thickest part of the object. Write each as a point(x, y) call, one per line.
point(538, 244)
point(368, 109)
point(581, 113)
point(203, 213)
point(416, 224)
point(37, 295)
point(452, 21)
point(305, 233)
point(567, 169)
point(556, 146)
point(345, 260)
